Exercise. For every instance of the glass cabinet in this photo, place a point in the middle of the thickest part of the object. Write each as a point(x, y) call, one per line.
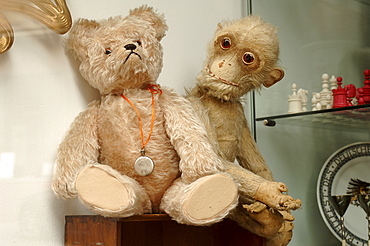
point(316, 37)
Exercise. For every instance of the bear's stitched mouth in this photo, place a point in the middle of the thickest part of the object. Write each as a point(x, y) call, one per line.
point(129, 55)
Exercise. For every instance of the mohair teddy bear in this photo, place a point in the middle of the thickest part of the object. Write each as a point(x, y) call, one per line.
point(142, 148)
point(242, 57)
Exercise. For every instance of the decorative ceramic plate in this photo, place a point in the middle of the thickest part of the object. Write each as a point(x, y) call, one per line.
point(351, 161)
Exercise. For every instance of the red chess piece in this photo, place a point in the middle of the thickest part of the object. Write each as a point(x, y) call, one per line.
point(351, 93)
point(339, 95)
point(366, 88)
point(360, 96)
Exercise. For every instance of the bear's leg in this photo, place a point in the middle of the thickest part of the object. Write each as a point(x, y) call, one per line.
point(205, 201)
point(106, 192)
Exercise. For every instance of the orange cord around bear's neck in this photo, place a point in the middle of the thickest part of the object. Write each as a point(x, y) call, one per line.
point(153, 89)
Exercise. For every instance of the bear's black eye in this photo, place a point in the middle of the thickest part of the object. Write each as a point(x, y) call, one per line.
point(138, 42)
point(225, 43)
point(108, 51)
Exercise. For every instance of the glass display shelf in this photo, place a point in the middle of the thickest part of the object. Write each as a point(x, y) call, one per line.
point(353, 118)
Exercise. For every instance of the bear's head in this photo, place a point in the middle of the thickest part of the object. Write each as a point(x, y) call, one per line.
point(119, 53)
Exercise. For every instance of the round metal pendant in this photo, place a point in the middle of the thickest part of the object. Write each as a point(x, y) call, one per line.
point(144, 166)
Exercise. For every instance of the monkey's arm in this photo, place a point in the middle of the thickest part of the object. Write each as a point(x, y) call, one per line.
point(250, 157)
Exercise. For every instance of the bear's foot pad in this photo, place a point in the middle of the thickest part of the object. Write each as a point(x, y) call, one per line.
point(211, 199)
point(99, 189)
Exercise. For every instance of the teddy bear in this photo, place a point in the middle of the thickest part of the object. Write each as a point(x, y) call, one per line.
point(242, 57)
point(142, 148)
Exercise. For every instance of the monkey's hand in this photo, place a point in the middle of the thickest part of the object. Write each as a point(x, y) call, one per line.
point(255, 207)
point(271, 194)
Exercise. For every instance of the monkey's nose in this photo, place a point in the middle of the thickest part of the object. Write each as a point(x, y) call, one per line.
point(130, 47)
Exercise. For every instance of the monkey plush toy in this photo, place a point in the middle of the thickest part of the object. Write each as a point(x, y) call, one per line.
point(241, 57)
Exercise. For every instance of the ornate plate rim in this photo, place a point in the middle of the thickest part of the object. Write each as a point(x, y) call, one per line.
point(321, 200)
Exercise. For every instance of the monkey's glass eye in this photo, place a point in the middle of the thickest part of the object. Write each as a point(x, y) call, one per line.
point(108, 51)
point(226, 43)
point(248, 58)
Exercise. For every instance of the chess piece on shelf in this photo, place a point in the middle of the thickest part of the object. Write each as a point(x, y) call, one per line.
point(325, 93)
point(333, 86)
point(351, 93)
point(297, 101)
point(333, 83)
point(302, 93)
point(360, 96)
point(316, 105)
point(341, 95)
point(329, 99)
point(364, 92)
point(314, 101)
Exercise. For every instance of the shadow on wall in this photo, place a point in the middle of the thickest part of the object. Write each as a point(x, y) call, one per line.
point(88, 93)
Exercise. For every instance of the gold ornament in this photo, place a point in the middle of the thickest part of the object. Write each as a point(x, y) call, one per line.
point(54, 14)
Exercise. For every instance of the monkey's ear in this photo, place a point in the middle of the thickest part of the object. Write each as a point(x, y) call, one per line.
point(219, 26)
point(274, 76)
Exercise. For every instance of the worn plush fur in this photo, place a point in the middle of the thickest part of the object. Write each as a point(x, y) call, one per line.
point(95, 160)
point(190, 182)
point(242, 57)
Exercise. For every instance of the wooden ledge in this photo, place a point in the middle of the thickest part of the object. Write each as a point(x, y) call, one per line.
point(153, 230)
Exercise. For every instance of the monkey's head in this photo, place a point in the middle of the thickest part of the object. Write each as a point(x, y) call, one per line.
point(242, 57)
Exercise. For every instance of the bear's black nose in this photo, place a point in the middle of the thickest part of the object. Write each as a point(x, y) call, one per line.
point(130, 47)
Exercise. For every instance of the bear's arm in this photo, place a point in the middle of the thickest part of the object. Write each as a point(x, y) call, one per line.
point(249, 156)
point(189, 137)
point(79, 147)
point(203, 115)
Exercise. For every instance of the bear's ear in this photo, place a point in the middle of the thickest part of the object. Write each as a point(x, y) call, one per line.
point(157, 20)
point(81, 32)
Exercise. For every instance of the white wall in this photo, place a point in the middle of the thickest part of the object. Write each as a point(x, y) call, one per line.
point(41, 93)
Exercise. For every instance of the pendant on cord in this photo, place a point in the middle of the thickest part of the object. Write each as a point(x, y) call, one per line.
point(144, 166)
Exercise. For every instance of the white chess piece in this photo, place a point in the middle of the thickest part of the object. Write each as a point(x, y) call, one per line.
point(333, 86)
point(295, 102)
point(318, 104)
point(333, 83)
point(314, 101)
point(302, 94)
point(325, 90)
point(330, 101)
